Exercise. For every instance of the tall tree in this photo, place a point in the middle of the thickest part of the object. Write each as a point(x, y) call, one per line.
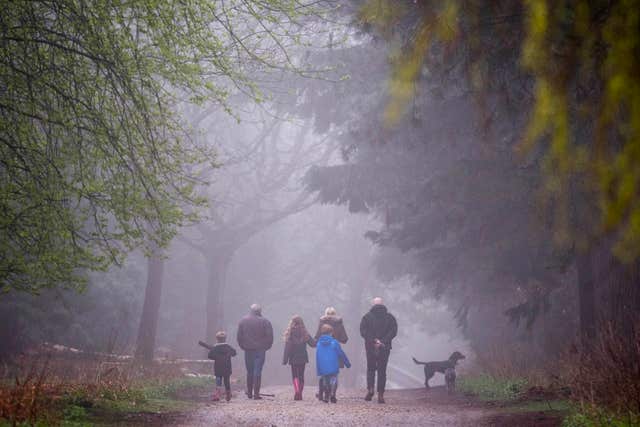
point(92, 150)
point(147, 330)
point(259, 186)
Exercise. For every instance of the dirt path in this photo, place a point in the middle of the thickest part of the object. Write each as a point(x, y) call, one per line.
point(403, 408)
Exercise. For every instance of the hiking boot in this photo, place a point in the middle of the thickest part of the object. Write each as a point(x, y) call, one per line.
point(369, 395)
point(249, 391)
point(333, 399)
point(381, 397)
point(256, 388)
point(227, 395)
point(296, 388)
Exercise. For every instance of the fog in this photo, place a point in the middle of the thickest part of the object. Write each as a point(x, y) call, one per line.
point(464, 163)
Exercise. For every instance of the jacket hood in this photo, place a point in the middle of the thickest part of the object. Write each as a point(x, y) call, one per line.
point(325, 340)
point(378, 310)
point(331, 318)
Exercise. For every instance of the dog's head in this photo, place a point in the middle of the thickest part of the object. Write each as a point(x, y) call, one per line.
point(456, 356)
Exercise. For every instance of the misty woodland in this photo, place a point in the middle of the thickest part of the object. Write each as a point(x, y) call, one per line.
point(320, 212)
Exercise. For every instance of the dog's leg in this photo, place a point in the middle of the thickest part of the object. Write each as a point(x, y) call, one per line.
point(428, 374)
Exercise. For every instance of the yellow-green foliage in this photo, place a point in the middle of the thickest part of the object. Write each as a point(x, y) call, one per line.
point(438, 25)
point(584, 57)
point(598, 42)
point(95, 159)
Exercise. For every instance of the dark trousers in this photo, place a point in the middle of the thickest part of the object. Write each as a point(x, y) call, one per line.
point(297, 371)
point(225, 378)
point(377, 362)
point(254, 361)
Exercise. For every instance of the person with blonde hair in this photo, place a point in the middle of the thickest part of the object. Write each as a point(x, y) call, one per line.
point(296, 339)
point(332, 319)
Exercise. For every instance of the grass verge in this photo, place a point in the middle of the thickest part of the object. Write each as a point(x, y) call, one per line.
point(591, 416)
point(489, 388)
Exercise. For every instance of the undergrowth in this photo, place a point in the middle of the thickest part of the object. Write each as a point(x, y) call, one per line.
point(38, 398)
point(592, 416)
point(488, 387)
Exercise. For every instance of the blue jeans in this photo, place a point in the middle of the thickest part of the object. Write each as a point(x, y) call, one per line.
point(254, 361)
point(329, 384)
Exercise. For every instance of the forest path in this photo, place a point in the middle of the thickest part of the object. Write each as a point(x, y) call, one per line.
point(417, 407)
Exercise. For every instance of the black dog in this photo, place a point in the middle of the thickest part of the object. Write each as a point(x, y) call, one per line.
point(430, 368)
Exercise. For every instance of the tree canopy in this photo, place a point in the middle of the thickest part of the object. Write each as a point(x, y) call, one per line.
point(493, 155)
point(95, 158)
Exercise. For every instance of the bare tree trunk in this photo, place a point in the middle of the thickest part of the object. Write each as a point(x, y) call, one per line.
point(146, 342)
point(586, 297)
point(356, 346)
point(624, 299)
point(217, 274)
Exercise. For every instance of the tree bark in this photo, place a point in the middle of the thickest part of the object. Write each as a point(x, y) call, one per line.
point(217, 274)
point(356, 345)
point(586, 297)
point(147, 330)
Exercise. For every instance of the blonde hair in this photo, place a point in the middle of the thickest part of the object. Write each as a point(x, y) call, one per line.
point(295, 322)
point(330, 311)
point(221, 336)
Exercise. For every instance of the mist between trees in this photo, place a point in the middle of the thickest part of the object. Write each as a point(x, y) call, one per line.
point(477, 164)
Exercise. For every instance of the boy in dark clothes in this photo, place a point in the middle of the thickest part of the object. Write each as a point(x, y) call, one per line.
point(221, 354)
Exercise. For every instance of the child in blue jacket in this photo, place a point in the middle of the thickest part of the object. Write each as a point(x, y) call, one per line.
point(328, 356)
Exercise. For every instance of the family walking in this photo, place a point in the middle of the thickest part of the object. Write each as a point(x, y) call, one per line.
point(255, 336)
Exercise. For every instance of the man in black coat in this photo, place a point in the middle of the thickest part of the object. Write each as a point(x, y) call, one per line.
point(255, 337)
point(378, 328)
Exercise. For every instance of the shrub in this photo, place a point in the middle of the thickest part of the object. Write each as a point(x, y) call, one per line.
point(608, 373)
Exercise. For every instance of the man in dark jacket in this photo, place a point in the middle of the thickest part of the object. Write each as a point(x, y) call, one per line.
point(378, 327)
point(255, 337)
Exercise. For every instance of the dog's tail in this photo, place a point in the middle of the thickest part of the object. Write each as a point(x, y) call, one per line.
point(417, 362)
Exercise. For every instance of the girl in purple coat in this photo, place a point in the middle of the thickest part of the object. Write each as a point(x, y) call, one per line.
point(296, 339)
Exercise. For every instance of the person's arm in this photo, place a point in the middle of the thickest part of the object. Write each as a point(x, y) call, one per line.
point(364, 327)
point(240, 336)
point(269, 335)
point(311, 342)
point(341, 334)
point(317, 335)
point(392, 331)
point(232, 351)
point(287, 350)
point(344, 357)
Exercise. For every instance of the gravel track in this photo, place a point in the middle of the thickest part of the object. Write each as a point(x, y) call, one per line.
point(403, 408)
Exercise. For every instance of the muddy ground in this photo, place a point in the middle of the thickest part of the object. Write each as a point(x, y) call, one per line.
point(415, 407)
